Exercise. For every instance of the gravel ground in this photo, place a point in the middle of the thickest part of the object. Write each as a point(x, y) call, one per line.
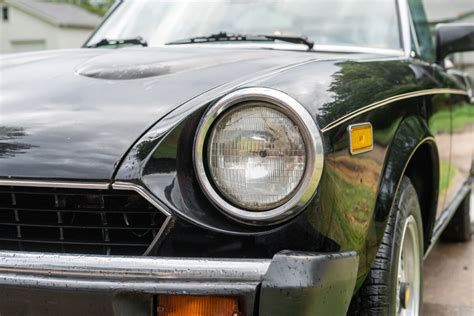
point(449, 279)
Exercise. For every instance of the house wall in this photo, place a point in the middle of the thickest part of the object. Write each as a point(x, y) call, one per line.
point(25, 32)
point(72, 38)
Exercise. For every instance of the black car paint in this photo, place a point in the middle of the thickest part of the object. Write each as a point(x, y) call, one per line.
point(86, 135)
point(400, 128)
point(73, 114)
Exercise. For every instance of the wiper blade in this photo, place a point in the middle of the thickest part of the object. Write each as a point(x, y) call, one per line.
point(225, 37)
point(119, 42)
point(292, 39)
point(220, 37)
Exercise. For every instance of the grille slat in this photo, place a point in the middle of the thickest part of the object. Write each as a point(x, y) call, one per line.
point(64, 192)
point(73, 211)
point(86, 243)
point(105, 227)
point(77, 221)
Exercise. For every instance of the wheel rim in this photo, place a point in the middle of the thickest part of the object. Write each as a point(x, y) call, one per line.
point(409, 270)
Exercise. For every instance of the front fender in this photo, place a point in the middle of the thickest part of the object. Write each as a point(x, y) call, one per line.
point(410, 136)
point(412, 151)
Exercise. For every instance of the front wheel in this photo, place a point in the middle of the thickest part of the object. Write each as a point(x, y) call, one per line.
point(394, 283)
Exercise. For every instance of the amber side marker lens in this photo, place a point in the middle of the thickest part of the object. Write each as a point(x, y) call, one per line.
point(361, 138)
point(188, 305)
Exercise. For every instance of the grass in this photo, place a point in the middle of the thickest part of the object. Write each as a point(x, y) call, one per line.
point(446, 174)
point(462, 117)
point(352, 213)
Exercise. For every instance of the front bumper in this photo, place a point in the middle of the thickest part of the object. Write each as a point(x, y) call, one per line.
point(292, 283)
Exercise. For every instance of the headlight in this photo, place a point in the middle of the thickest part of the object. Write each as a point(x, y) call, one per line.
point(258, 155)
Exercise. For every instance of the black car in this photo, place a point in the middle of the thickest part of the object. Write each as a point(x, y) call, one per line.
point(234, 158)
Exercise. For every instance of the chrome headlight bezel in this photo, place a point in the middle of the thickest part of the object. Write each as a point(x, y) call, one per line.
point(311, 137)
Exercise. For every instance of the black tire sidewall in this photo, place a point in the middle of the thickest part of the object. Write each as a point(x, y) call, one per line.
point(406, 205)
point(378, 293)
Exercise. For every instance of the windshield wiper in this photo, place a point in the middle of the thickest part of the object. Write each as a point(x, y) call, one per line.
point(220, 37)
point(292, 39)
point(119, 42)
point(225, 37)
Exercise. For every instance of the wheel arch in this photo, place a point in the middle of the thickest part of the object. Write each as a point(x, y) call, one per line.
point(423, 171)
point(412, 153)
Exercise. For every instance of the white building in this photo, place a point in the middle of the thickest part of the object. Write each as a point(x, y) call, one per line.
point(27, 25)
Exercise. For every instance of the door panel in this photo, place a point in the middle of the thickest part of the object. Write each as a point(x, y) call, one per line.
point(462, 145)
point(439, 122)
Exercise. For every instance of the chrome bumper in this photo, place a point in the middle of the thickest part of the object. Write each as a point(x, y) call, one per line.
point(134, 274)
point(290, 283)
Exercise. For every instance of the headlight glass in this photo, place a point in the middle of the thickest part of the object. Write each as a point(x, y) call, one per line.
point(256, 156)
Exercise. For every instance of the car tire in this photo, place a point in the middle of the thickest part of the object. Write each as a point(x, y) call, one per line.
point(384, 287)
point(459, 228)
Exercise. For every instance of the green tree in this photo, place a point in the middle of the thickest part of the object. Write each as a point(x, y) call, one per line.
point(357, 84)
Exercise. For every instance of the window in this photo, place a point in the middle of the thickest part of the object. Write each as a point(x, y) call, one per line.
point(422, 29)
point(326, 22)
point(5, 14)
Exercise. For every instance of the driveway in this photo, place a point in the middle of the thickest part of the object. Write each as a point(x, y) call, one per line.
point(449, 279)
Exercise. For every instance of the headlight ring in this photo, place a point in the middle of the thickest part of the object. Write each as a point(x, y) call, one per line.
point(277, 109)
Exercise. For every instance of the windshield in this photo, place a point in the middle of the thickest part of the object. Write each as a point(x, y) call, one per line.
point(361, 23)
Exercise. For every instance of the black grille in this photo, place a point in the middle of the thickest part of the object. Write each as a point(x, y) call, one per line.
point(104, 222)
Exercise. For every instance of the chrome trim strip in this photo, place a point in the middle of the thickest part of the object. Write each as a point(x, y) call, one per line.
point(150, 198)
point(405, 27)
point(56, 184)
point(317, 48)
point(357, 49)
point(447, 215)
point(143, 192)
point(143, 274)
point(314, 151)
point(381, 103)
point(349, 130)
point(155, 240)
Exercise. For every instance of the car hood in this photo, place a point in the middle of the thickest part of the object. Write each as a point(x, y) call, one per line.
point(73, 114)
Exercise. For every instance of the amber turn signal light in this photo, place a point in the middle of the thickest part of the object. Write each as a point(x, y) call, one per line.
point(188, 305)
point(361, 138)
